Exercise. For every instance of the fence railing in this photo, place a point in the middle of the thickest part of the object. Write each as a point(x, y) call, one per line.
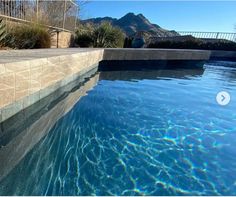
point(210, 35)
point(56, 14)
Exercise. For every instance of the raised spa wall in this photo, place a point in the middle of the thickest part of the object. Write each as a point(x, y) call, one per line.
point(28, 76)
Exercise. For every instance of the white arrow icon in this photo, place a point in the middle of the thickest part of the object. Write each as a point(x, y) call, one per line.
point(223, 98)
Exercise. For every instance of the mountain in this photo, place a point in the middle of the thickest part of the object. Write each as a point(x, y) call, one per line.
point(131, 24)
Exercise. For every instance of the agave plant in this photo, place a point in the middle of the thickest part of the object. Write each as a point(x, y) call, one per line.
point(3, 32)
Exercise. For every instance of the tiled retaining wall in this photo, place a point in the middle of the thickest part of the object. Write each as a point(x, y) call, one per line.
point(24, 83)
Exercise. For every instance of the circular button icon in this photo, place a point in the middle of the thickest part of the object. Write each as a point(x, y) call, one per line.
point(223, 98)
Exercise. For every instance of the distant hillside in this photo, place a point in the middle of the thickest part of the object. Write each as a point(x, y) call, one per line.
point(131, 24)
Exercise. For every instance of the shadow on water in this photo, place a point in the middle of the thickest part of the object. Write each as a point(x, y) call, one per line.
point(225, 69)
point(149, 65)
point(139, 70)
point(151, 74)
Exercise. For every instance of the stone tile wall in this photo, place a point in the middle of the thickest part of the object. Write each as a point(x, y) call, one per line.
point(24, 83)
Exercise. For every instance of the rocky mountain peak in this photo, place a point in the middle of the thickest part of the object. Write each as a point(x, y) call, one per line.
point(132, 23)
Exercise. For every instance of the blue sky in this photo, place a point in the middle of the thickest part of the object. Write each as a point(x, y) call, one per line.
point(177, 15)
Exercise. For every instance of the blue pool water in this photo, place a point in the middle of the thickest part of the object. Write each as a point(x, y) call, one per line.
point(139, 133)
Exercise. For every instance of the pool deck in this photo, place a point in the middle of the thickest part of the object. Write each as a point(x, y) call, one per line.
point(10, 56)
point(27, 76)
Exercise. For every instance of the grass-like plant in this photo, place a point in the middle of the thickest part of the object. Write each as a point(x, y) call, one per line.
point(108, 36)
point(3, 32)
point(84, 35)
point(31, 36)
point(104, 35)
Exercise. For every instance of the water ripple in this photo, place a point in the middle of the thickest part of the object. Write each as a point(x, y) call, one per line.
point(145, 137)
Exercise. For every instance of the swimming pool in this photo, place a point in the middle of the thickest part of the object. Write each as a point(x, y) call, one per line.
point(149, 132)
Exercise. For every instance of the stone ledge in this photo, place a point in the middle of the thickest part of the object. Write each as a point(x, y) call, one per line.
point(155, 54)
point(23, 83)
point(223, 55)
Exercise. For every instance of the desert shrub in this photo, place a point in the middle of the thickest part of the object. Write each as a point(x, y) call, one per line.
point(84, 40)
point(104, 35)
point(3, 33)
point(5, 40)
point(108, 36)
point(84, 35)
point(195, 44)
point(128, 42)
point(138, 42)
point(5, 37)
point(29, 37)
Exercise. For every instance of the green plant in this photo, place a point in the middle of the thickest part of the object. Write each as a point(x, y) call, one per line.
point(84, 35)
point(84, 40)
point(104, 35)
point(29, 37)
point(108, 36)
point(3, 32)
point(196, 44)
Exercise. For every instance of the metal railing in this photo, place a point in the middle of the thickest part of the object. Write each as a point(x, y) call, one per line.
point(210, 35)
point(60, 15)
